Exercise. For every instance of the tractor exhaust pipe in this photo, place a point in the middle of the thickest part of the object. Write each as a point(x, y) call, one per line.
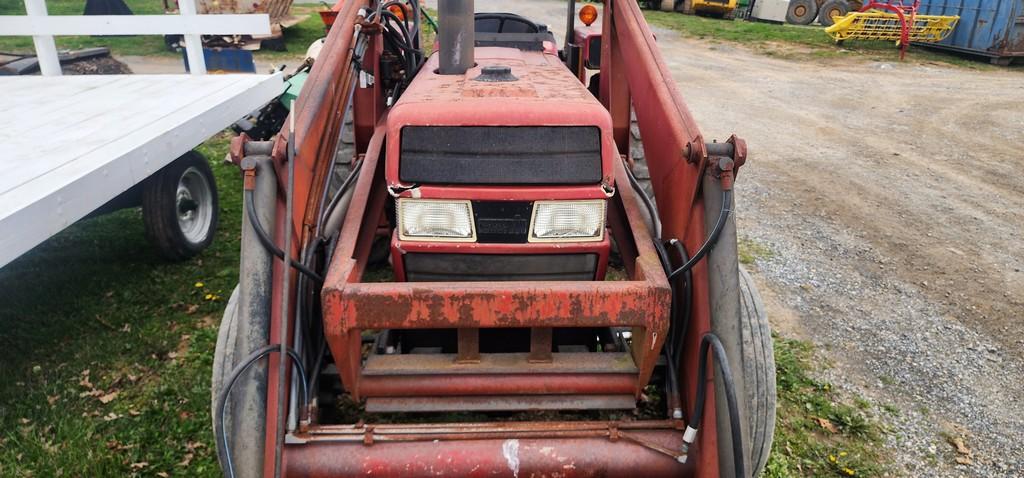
point(456, 35)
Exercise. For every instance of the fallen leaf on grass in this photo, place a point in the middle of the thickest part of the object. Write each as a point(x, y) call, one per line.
point(186, 461)
point(140, 465)
point(192, 309)
point(109, 397)
point(51, 399)
point(163, 474)
point(826, 424)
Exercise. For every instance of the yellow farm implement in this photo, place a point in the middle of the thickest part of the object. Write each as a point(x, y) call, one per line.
point(892, 22)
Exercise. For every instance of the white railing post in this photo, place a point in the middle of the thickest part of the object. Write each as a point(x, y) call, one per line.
point(46, 49)
point(193, 43)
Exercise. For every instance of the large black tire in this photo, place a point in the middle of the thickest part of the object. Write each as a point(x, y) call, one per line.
point(180, 207)
point(801, 12)
point(831, 10)
point(758, 373)
point(245, 418)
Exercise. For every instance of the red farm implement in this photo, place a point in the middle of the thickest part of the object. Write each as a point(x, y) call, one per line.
point(478, 283)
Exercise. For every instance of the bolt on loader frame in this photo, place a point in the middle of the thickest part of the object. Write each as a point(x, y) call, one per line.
point(270, 422)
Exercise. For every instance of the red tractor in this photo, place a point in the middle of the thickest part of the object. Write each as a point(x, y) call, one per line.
point(474, 282)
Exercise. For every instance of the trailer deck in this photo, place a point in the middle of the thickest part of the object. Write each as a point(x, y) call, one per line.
point(73, 143)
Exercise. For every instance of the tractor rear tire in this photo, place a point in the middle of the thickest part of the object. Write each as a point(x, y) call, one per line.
point(831, 10)
point(758, 373)
point(180, 207)
point(801, 12)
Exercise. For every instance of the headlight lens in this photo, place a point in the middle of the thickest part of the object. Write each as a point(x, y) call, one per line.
point(435, 220)
point(569, 221)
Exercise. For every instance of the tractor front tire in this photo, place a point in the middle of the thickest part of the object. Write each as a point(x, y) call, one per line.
point(801, 12)
point(831, 10)
point(245, 420)
point(758, 373)
point(180, 207)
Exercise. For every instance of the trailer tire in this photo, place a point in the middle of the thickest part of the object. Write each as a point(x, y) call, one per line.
point(831, 10)
point(801, 12)
point(180, 207)
point(245, 424)
point(758, 373)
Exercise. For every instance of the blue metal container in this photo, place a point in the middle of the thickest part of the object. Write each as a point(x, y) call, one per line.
point(993, 28)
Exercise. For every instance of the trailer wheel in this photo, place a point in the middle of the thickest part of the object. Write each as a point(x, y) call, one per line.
point(758, 372)
point(180, 207)
point(245, 417)
point(832, 10)
point(801, 12)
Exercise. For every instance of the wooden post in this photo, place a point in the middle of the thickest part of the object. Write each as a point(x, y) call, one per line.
point(46, 49)
point(193, 43)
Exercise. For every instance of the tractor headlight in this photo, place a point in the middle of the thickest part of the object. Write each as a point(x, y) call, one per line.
point(435, 220)
point(568, 221)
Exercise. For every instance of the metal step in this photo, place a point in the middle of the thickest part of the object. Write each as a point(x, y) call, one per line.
point(501, 403)
point(512, 363)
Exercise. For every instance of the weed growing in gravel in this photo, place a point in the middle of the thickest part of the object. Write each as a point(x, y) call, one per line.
point(750, 251)
point(817, 433)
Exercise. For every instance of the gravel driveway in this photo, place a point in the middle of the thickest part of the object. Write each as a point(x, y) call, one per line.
point(892, 199)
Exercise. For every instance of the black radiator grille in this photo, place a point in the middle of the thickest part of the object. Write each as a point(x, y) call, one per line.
point(426, 267)
point(502, 221)
point(500, 155)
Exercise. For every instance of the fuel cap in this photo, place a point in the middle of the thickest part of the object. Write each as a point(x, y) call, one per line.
point(495, 74)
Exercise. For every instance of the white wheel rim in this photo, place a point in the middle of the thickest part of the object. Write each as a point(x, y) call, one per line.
point(194, 205)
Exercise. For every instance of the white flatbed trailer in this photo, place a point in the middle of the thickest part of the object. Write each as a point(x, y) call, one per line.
point(73, 143)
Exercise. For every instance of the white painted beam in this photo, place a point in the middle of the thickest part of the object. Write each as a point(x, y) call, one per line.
point(102, 25)
point(193, 42)
point(46, 49)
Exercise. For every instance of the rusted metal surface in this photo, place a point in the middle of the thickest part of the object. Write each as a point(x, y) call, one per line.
point(539, 450)
point(503, 363)
point(315, 126)
point(500, 403)
point(351, 306)
point(469, 345)
point(540, 345)
point(493, 384)
point(675, 153)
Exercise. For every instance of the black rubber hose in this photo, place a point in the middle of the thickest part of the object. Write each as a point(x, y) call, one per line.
point(711, 341)
point(687, 296)
point(250, 206)
point(235, 374)
point(709, 244)
point(352, 176)
point(672, 381)
point(651, 208)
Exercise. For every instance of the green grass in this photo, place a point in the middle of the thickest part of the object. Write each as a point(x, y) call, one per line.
point(93, 311)
point(297, 37)
point(798, 42)
point(750, 250)
point(817, 432)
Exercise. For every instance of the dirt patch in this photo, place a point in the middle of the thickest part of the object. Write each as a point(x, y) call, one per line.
point(96, 66)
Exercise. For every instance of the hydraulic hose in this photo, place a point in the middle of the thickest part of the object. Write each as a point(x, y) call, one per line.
point(237, 372)
point(683, 324)
point(709, 244)
point(250, 207)
point(711, 341)
point(671, 362)
point(651, 209)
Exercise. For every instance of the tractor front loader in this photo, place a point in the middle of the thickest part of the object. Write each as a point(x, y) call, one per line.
point(475, 282)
